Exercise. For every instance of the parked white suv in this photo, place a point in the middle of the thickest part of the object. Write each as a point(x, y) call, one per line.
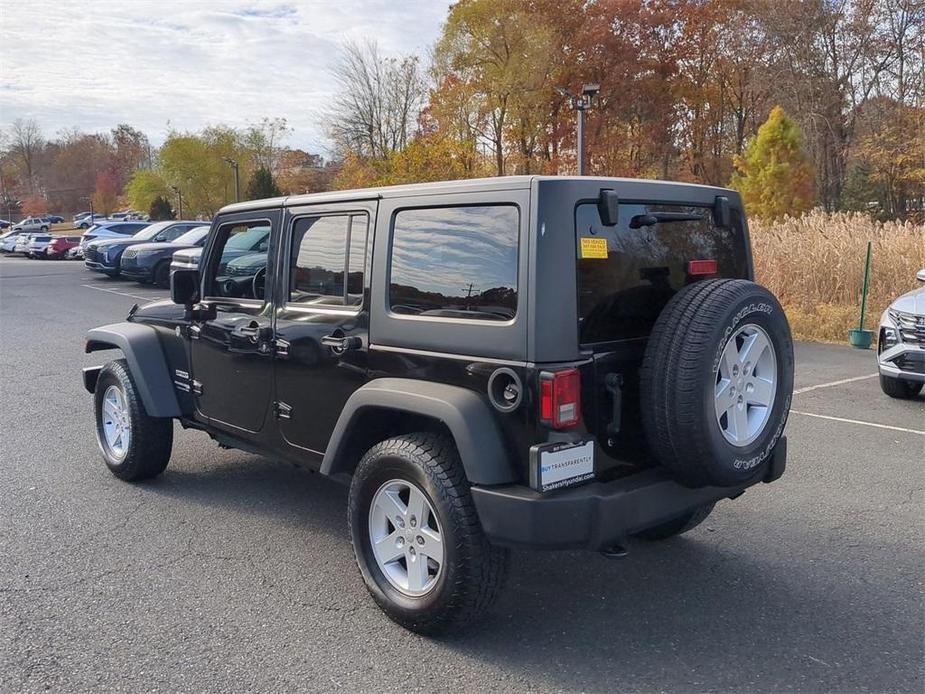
point(901, 346)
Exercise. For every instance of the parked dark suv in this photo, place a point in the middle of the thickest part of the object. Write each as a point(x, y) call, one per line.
point(150, 262)
point(105, 255)
point(522, 361)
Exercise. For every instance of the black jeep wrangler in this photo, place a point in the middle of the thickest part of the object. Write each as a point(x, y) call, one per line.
point(523, 361)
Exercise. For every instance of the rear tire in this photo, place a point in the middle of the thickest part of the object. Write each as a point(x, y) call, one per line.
point(899, 388)
point(717, 351)
point(471, 571)
point(135, 446)
point(677, 526)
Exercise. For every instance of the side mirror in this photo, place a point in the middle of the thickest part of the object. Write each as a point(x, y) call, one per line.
point(920, 275)
point(184, 287)
point(608, 206)
point(722, 217)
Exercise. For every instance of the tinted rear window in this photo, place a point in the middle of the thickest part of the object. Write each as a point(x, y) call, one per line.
point(620, 296)
point(455, 262)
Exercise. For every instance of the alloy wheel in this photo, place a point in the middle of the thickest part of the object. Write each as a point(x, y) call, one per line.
point(406, 538)
point(116, 423)
point(746, 383)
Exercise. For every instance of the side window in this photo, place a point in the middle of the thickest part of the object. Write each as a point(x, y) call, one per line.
point(325, 250)
point(455, 262)
point(240, 271)
point(176, 231)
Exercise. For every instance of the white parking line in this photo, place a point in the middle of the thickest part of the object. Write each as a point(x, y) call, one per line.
point(834, 383)
point(857, 421)
point(113, 291)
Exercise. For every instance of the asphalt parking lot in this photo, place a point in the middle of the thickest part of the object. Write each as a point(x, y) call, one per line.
point(235, 573)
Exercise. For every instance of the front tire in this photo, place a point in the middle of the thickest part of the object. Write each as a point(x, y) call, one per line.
point(899, 388)
point(162, 275)
point(135, 446)
point(410, 497)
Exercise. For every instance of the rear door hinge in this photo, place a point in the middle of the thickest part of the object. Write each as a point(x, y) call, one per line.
point(282, 410)
point(197, 387)
point(281, 348)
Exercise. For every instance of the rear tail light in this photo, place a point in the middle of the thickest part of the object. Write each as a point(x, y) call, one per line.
point(701, 267)
point(560, 398)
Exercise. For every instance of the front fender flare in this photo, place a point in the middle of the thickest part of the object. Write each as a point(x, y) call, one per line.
point(467, 416)
point(146, 362)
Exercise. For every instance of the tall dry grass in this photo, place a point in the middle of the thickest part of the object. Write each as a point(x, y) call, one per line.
point(815, 266)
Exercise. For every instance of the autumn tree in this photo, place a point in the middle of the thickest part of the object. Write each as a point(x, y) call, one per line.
point(261, 186)
point(263, 141)
point(145, 187)
point(106, 194)
point(774, 176)
point(35, 206)
point(195, 163)
point(130, 151)
point(302, 172)
point(427, 158)
point(496, 57)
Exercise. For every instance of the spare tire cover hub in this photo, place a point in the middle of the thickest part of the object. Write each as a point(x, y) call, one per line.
point(746, 383)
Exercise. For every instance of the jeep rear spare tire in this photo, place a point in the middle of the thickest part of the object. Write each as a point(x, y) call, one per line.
point(716, 382)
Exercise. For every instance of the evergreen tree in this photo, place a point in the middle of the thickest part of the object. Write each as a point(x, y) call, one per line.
point(774, 175)
point(261, 186)
point(160, 210)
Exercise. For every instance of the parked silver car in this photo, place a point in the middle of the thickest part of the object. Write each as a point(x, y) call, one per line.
point(901, 346)
point(33, 224)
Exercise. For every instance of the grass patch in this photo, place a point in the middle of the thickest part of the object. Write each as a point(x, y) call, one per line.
point(815, 265)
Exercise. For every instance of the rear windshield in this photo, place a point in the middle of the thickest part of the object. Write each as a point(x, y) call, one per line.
point(624, 287)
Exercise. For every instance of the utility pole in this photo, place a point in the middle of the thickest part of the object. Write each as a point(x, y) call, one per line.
point(237, 181)
point(179, 202)
point(581, 104)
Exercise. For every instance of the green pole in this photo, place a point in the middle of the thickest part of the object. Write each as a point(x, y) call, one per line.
point(864, 290)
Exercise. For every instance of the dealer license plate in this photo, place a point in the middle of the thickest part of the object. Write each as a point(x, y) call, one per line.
point(553, 466)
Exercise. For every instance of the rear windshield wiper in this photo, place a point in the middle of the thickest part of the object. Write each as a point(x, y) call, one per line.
point(653, 218)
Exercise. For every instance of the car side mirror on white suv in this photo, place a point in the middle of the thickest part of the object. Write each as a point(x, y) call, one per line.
point(920, 275)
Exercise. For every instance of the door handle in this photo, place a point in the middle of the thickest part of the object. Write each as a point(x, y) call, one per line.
point(341, 343)
point(254, 331)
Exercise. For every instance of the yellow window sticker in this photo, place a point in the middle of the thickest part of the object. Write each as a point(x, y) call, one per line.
point(593, 248)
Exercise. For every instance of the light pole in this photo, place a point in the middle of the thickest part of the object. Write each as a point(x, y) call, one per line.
point(179, 202)
point(237, 181)
point(581, 104)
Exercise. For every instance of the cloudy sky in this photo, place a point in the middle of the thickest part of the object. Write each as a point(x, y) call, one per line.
point(95, 63)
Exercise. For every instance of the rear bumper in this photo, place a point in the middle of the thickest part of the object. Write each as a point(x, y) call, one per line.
point(599, 515)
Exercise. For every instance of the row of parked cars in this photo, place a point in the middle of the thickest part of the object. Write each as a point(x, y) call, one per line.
point(137, 250)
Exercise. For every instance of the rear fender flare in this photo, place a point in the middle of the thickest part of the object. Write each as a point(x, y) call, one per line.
point(465, 414)
point(146, 362)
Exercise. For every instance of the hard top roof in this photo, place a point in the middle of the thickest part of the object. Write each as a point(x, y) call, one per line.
point(470, 185)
